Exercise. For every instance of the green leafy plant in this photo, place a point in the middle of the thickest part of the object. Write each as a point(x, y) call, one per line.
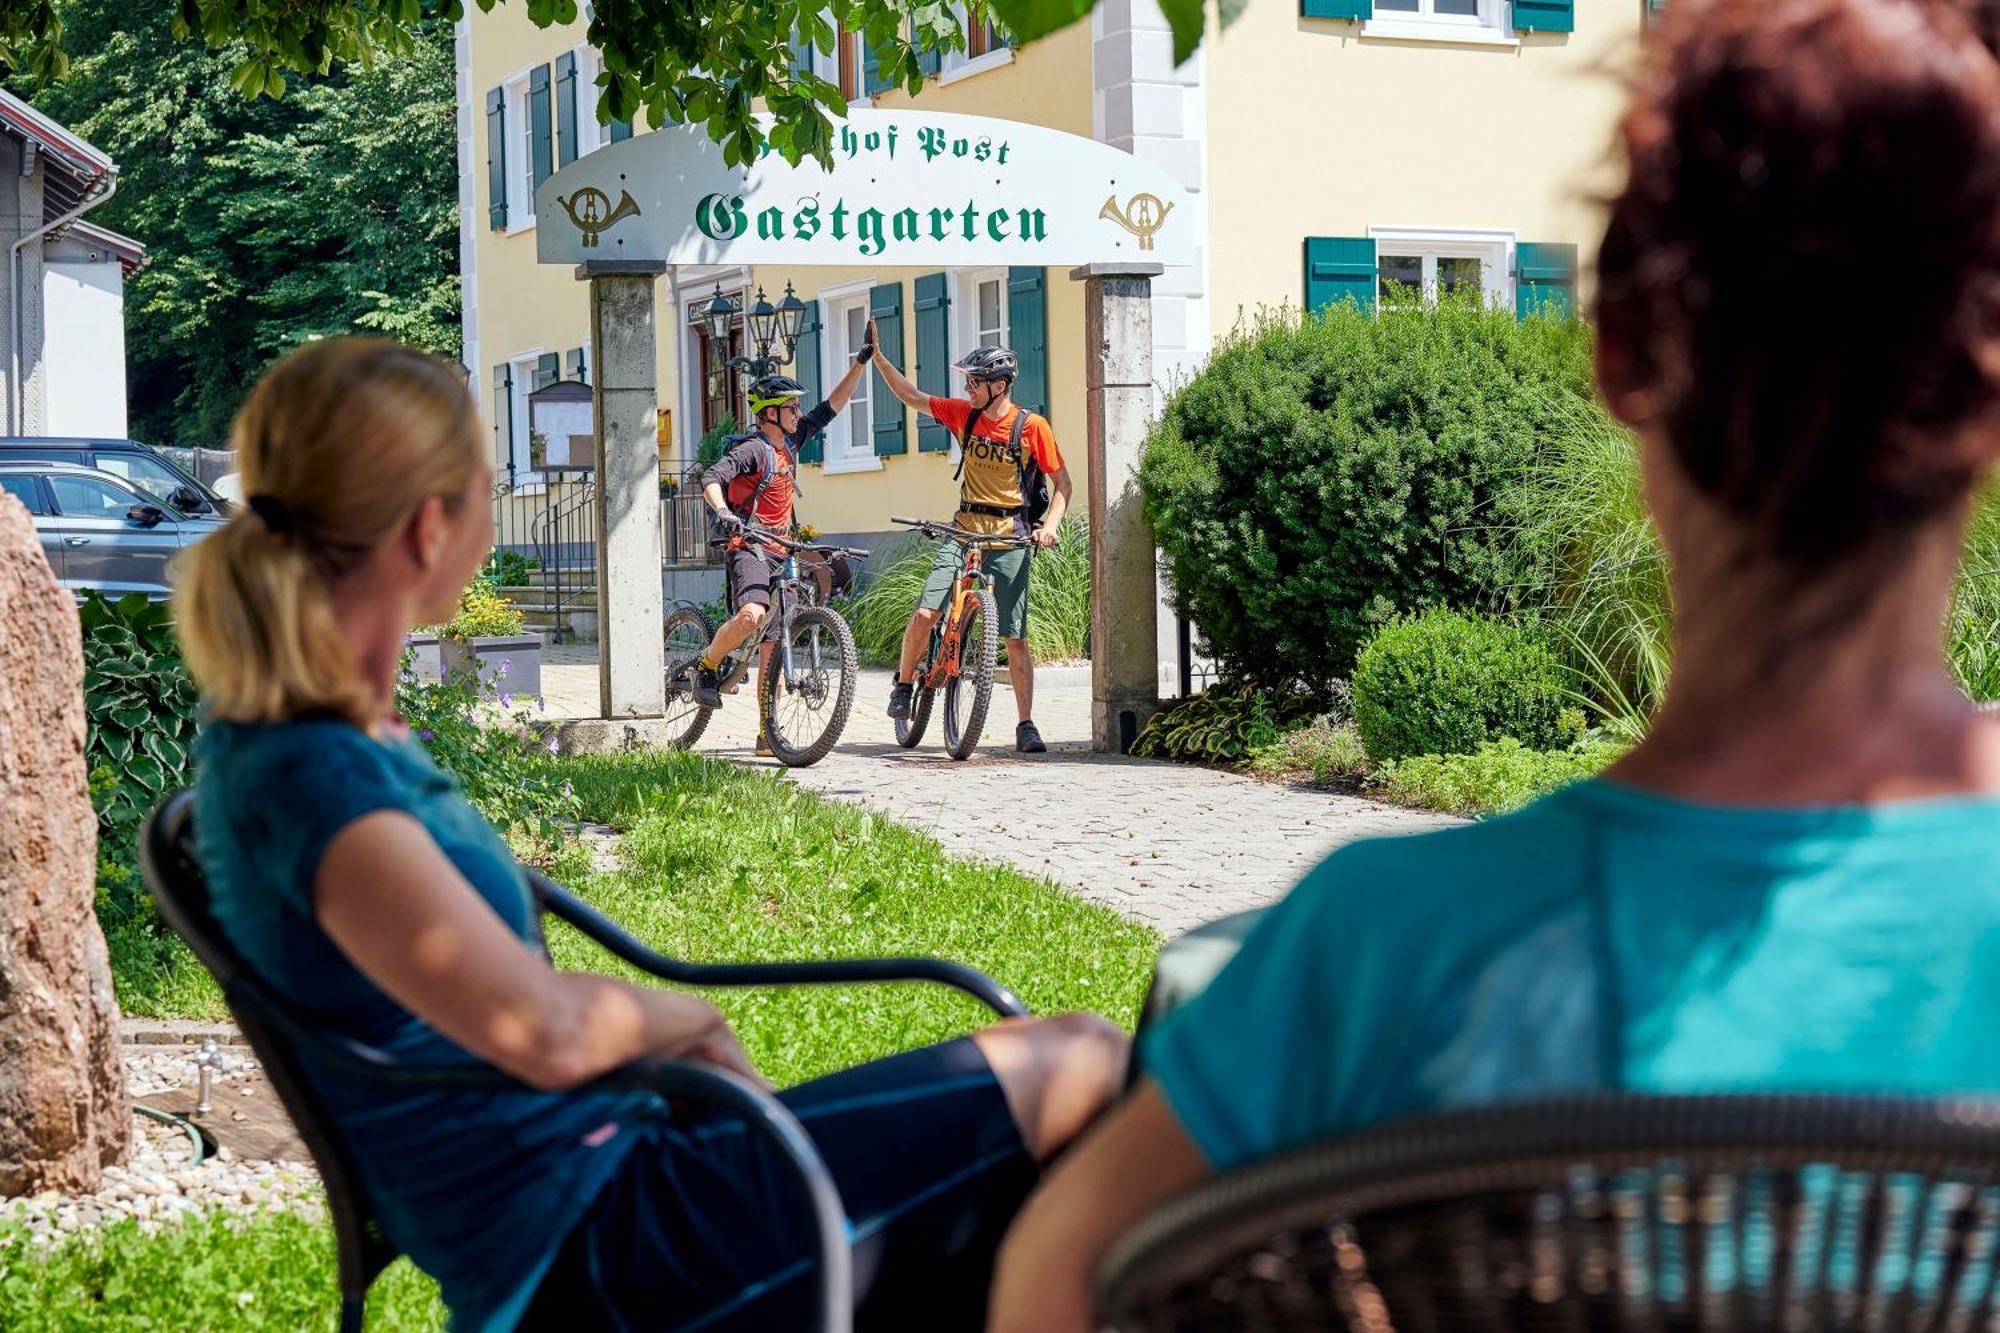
point(1227, 724)
point(1443, 682)
point(509, 568)
point(1058, 598)
point(1321, 475)
point(709, 448)
point(494, 751)
point(140, 702)
point(483, 613)
point(1326, 752)
point(1497, 777)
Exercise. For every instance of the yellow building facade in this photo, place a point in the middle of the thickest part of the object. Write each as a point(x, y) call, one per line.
point(1329, 148)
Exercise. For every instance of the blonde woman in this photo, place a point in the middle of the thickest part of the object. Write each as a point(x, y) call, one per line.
point(352, 875)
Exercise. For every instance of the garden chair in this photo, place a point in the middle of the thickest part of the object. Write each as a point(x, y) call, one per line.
point(1612, 1212)
point(276, 1032)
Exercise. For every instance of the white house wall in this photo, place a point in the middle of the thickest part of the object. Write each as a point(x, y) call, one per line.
point(82, 368)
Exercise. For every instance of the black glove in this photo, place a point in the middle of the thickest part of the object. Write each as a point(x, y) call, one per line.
point(730, 524)
point(867, 352)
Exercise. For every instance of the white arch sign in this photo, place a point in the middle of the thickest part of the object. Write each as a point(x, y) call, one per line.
point(905, 187)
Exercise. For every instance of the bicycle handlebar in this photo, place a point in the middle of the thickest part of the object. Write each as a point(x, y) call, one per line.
point(751, 532)
point(960, 535)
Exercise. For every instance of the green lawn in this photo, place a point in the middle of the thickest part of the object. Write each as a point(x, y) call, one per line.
point(717, 863)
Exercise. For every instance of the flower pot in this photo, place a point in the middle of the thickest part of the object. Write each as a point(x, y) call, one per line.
point(426, 658)
point(502, 663)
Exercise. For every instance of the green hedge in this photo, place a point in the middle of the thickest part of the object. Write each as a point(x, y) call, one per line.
point(1320, 475)
point(1499, 776)
point(1443, 683)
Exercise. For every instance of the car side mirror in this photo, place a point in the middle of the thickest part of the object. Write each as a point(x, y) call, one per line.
point(146, 516)
point(189, 501)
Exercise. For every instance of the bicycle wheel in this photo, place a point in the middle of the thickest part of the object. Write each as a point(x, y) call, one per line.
point(688, 633)
point(803, 719)
point(967, 693)
point(910, 730)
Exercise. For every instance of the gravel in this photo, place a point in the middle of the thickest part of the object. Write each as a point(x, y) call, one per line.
point(161, 1183)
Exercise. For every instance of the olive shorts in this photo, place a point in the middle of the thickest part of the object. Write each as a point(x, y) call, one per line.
point(1009, 571)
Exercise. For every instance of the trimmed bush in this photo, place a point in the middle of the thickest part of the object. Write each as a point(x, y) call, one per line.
point(1443, 682)
point(1321, 475)
point(1499, 776)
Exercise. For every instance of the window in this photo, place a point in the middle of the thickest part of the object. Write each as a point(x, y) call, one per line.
point(1449, 20)
point(150, 475)
point(91, 497)
point(985, 46)
point(23, 487)
point(520, 166)
point(589, 133)
point(1424, 265)
point(982, 311)
point(527, 378)
point(849, 443)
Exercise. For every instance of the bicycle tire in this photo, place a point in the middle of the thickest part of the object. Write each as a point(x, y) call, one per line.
point(684, 718)
point(849, 670)
point(978, 647)
point(910, 730)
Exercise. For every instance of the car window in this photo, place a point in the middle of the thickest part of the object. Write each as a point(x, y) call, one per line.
point(21, 485)
point(148, 474)
point(90, 497)
point(11, 455)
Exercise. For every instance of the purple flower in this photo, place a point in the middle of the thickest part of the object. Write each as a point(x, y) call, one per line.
point(427, 735)
point(506, 702)
point(500, 672)
point(555, 745)
point(541, 704)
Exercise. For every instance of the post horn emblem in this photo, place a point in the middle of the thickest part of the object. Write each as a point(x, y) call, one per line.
point(1143, 215)
point(590, 209)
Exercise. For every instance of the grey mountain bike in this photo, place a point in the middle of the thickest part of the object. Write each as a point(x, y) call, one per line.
point(804, 699)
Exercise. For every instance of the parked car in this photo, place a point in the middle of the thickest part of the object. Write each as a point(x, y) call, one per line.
point(137, 463)
point(102, 533)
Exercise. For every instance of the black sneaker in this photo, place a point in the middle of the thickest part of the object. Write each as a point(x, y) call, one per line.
point(899, 700)
point(707, 688)
point(1028, 740)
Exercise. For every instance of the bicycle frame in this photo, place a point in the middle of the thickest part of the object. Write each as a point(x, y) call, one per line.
point(950, 629)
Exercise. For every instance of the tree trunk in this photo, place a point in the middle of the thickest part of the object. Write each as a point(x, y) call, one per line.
point(63, 1109)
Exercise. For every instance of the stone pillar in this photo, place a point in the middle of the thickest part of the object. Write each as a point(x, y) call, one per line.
point(63, 1113)
point(631, 655)
point(1118, 396)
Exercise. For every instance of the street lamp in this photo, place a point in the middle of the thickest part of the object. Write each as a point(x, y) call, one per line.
point(763, 319)
point(719, 314)
point(791, 320)
point(770, 324)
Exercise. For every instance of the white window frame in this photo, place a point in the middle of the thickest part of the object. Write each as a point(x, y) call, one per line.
point(519, 123)
point(965, 328)
point(842, 452)
point(960, 65)
point(590, 134)
point(1492, 27)
point(522, 365)
point(862, 97)
point(1493, 249)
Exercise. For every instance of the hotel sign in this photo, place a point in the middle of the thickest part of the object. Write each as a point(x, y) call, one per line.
point(905, 187)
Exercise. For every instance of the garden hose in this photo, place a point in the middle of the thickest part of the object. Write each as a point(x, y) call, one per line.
point(168, 1118)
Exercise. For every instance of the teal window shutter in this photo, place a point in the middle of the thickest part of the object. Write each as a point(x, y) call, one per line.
point(872, 80)
point(621, 130)
point(933, 304)
point(503, 415)
point(579, 368)
point(1028, 334)
point(892, 420)
point(930, 62)
point(548, 370)
point(805, 369)
point(1337, 9)
point(540, 127)
point(802, 53)
point(1545, 15)
point(1544, 279)
point(566, 108)
point(1340, 268)
point(496, 160)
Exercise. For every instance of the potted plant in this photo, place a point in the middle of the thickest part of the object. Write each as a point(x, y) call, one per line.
point(425, 654)
point(538, 450)
point(485, 641)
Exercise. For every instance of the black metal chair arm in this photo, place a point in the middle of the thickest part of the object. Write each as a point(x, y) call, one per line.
point(566, 906)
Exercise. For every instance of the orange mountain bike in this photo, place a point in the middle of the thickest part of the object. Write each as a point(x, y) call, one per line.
point(964, 645)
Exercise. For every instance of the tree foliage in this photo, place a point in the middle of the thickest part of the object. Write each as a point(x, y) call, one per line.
point(674, 61)
point(270, 222)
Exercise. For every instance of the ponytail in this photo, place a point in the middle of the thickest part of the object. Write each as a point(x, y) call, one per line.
point(337, 446)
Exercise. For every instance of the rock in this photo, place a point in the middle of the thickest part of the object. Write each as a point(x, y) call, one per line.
point(63, 1110)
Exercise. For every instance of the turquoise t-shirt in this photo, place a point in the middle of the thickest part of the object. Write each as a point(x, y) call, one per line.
point(1603, 939)
point(479, 1189)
